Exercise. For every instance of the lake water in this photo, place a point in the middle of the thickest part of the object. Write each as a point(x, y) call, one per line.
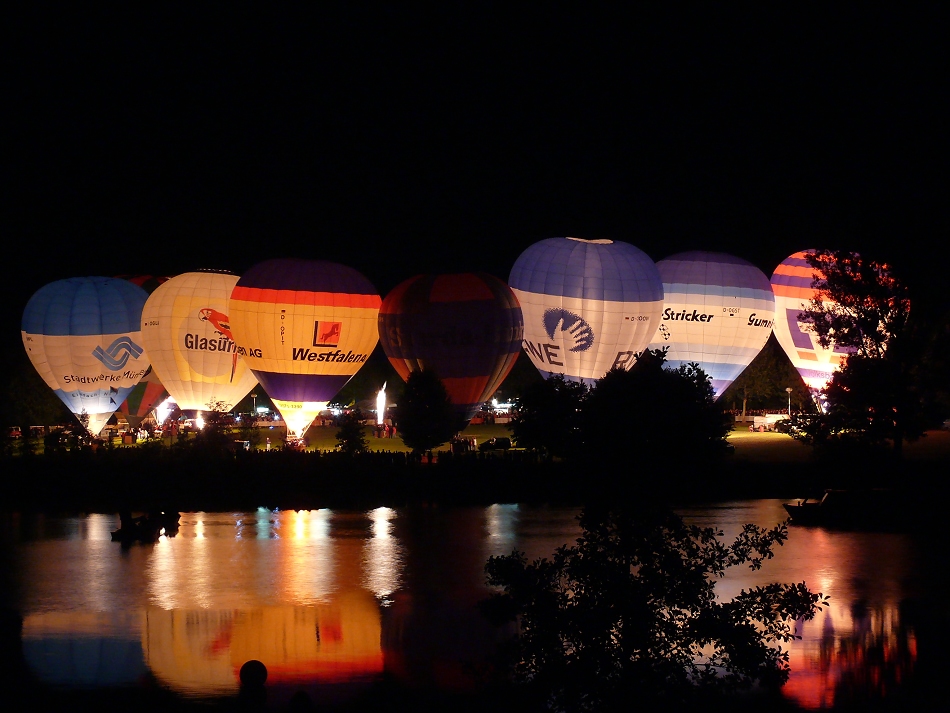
point(332, 600)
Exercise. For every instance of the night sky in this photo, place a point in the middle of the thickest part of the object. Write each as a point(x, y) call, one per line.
point(450, 138)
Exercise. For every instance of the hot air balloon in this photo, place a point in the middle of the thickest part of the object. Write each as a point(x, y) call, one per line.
point(305, 327)
point(145, 396)
point(146, 282)
point(187, 335)
point(791, 283)
point(83, 335)
point(718, 312)
point(467, 328)
point(588, 305)
point(149, 392)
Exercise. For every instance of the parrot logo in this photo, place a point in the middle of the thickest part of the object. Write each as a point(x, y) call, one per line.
point(222, 325)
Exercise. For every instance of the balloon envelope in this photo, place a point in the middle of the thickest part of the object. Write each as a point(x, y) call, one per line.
point(187, 335)
point(149, 392)
point(144, 396)
point(588, 305)
point(718, 312)
point(146, 282)
point(305, 327)
point(83, 335)
point(792, 285)
point(466, 327)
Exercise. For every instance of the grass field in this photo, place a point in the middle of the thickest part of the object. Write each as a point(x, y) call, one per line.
point(324, 437)
point(750, 447)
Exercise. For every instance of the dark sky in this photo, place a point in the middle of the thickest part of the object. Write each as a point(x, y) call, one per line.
point(450, 138)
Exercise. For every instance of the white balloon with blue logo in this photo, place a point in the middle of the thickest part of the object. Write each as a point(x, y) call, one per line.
point(718, 312)
point(84, 337)
point(588, 305)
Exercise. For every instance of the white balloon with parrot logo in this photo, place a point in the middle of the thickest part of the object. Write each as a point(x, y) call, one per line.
point(718, 312)
point(588, 305)
point(83, 336)
point(187, 334)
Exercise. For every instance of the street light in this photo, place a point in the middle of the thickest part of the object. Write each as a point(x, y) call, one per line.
point(788, 390)
point(254, 401)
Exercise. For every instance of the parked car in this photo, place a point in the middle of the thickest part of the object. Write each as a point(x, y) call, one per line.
point(499, 443)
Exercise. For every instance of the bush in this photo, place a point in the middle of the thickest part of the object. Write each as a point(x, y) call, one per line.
point(630, 613)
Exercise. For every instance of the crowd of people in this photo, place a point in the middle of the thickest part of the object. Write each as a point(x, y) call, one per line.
point(385, 430)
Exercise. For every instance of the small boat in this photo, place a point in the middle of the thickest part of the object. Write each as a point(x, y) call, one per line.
point(873, 508)
point(145, 529)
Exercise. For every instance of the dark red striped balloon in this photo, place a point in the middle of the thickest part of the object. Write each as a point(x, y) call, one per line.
point(466, 327)
point(146, 282)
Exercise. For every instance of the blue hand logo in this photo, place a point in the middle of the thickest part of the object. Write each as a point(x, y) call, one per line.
point(576, 331)
point(111, 358)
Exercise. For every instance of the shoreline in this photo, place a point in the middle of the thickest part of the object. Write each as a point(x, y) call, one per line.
point(191, 480)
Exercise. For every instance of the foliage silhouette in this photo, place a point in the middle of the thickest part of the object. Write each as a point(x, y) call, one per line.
point(629, 613)
point(877, 397)
point(663, 413)
point(859, 303)
point(25, 399)
point(548, 417)
point(216, 437)
point(424, 415)
point(351, 438)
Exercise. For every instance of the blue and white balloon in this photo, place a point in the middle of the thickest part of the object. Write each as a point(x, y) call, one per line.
point(84, 337)
point(718, 312)
point(588, 305)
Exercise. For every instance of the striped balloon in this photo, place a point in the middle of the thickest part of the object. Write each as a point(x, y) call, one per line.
point(84, 336)
point(792, 285)
point(149, 392)
point(717, 311)
point(304, 327)
point(466, 327)
point(588, 305)
point(145, 395)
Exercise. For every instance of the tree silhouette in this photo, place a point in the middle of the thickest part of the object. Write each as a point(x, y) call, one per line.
point(424, 415)
point(859, 303)
point(630, 614)
point(351, 437)
point(662, 413)
point(548, 417)
point(877, 396)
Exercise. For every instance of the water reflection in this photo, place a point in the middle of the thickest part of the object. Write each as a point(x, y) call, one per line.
point(326, 597)
point(859, 648)
point(382, 556)
point(84, 649)
point(863, 655)
point(200, 652)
